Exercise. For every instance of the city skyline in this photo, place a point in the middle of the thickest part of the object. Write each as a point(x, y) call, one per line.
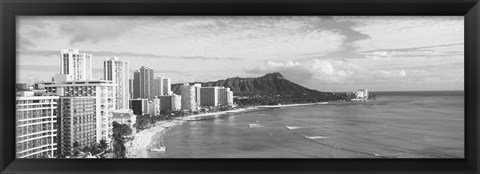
point(322, 53)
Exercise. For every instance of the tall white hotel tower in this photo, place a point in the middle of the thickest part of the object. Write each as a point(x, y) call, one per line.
point(75, 80)
point(75, 65)
point(117, 71)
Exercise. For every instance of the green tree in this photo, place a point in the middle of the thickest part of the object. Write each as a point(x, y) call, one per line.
point(75, 144)
point(119, 131)
point(103, 144)
point(122, 129)
point(94, 149)
point(86, 149)
point(118, 145)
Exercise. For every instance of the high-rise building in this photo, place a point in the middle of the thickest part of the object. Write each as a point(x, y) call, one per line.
point(209, 96)
point(229, 97)
point(36, 126)
point(176, 102)
point(143, 85)
point(170, 102)
point(130, 89)
point(117, 71)
point(197, 87)
point(77, 123)
point(75, 65)
point(139, 106)
point(361, 94)
point(167, 86)
point(222, 96)
point(166, 103)
point(104, 93)
point(154, 107)
point(162, 86)
point(158, 86)
point(189, 97)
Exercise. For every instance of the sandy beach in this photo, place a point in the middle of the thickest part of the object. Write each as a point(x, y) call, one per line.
point(144, 140)
point(291, 105)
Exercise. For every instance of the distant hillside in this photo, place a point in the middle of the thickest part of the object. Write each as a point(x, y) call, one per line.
point(269, 83)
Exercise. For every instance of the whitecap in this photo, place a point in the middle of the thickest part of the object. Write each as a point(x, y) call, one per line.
point(315, 137)
point(255, 125)
point(293, 127)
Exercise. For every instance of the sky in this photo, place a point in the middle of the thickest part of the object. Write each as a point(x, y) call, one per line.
point(326, 53)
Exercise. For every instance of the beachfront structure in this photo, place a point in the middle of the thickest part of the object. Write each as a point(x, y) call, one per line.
point(77, 123)
point(139, 106)
point(222, 96)
point(143, 85)
point(125, 116)
point(158, 86)
point(162, 86)
point(154, 107)
point(104, 93)
point(176, 102)
point(116, 70)
point(130, 89)
point(209, 96)
point(21, 87)
point(36, 126)
point(189, 97)
point(166, 102)
point(198, 94)
point(170, 102)
point(361, 94)
point(167, 86)
point(225, 96)
point(24, 93)
point(74, 66)
point(41, 85)
point(229, 97)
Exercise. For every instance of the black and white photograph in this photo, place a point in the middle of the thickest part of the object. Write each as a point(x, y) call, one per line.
point(240, 87)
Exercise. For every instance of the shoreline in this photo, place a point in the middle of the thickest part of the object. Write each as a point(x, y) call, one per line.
point(148, 138)
point(145, 139)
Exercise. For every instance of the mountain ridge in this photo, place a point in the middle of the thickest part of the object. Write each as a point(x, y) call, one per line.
point(269, 83)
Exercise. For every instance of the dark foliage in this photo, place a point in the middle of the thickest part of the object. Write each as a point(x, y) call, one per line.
point(103, 144)
point(119, 131)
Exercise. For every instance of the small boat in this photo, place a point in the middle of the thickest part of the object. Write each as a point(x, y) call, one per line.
point(161, 148)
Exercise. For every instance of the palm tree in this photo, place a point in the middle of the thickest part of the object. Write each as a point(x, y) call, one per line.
point(75, 144)
point(103, 144)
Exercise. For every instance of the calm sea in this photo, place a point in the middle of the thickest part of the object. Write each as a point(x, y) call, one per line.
point(395, 125)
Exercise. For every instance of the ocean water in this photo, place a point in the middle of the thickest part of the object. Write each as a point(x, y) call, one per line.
point(395, 125)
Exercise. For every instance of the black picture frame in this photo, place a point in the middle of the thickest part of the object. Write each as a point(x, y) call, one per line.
point(470, 9)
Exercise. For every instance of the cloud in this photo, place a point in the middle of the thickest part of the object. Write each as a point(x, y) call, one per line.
point(343, 27)
point(453, 51)
point(25, 44)
point(398, 32)
point(43, 68)
point(94, 29)
point(323, 72)
point(125, 54)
